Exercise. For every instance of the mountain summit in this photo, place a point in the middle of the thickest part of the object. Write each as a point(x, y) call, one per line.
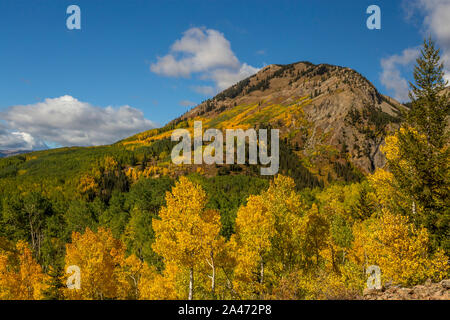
point(324, 112)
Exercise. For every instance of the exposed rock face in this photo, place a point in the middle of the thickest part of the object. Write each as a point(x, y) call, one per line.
point(324, 106)
point(427, 291)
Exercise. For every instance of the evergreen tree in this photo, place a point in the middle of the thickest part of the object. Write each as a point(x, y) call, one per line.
point(429, 107)
point(418, 154)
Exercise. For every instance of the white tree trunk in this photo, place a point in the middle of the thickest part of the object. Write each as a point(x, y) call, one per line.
point(191, 284)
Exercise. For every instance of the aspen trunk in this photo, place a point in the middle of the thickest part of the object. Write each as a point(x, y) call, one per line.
point(191, 284)
point(213, 276)
point(262, 271)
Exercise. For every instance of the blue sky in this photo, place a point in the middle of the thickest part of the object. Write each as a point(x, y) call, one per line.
point(108, 63)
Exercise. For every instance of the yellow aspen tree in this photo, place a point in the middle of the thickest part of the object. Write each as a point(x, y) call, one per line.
point(254, 230)
point(287, 208)
point(186, 231)
point(268, 233)
point(315, 231)
point(25, 280)
point(110, 164)
point(100, 257)
point(424, 178)
point(156, 286)
point(214, 245)
point(87, 185)
point(389, 195)
point(129, 277)
point(399, 248)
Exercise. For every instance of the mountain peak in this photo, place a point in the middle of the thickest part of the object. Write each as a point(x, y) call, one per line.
point(313, 105)
point(278, 83)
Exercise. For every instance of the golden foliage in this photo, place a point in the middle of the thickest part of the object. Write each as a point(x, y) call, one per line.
point(282, 248)
point(21, 277)
point(268, 236)
point(99, 257)
point(398, 248)
point(187, 233)
point(156, 286)
point(150, 172)
point(110, 164)
point(87, 184)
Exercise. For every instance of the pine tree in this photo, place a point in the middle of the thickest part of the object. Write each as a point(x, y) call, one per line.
point(429, 107)
point(418, 155)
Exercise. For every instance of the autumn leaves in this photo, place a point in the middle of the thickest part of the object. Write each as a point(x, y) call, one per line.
point(21, 277)
point(188, 234)
point(198, 261)
point(285, 246)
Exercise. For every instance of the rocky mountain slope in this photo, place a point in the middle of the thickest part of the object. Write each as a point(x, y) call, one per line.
point(325, 112)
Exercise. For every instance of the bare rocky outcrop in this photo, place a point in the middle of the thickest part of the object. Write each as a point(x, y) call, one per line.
point(427, 291)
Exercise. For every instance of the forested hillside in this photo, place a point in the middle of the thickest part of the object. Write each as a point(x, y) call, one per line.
point(363, 181)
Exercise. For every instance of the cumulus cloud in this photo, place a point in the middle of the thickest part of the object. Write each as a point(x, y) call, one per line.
point(205, 52)
point(436, 17)
point(437, 22)
point(14, 140)
point(202, 50)
point(66, 121)
point(391, 76)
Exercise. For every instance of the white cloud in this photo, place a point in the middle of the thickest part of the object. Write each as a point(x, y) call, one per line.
point(436, 21)
point(436, 17)
point(205, 52)
point(15, 140)
point(67, 121)
point(391, 76)
point(201, 50)
point(225, 78)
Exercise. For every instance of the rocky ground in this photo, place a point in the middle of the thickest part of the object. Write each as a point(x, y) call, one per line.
point(427, 291)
